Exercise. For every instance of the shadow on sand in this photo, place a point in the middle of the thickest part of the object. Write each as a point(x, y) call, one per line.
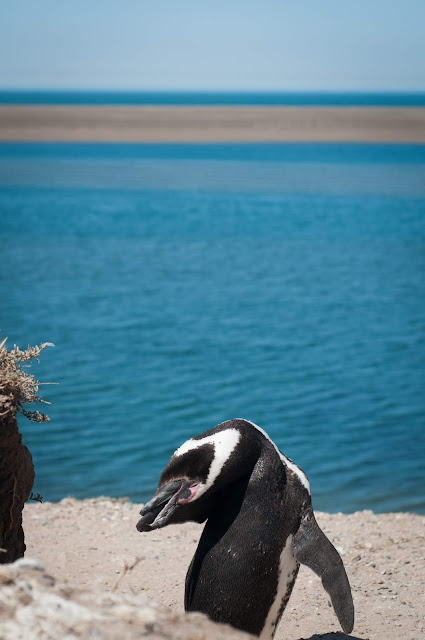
point(333, 635)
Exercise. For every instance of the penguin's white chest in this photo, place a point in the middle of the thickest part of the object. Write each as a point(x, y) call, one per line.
point(288, 567)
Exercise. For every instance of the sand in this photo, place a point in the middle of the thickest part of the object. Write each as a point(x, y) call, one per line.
point(90, 543)
point(211, 124)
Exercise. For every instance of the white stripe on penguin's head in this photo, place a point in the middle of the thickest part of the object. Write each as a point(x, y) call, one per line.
point(224, 443)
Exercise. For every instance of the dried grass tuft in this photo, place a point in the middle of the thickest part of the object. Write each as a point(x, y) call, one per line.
point(17, 386)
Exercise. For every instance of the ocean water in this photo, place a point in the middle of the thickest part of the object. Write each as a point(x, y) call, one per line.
point(187, 284)
point(253, 98)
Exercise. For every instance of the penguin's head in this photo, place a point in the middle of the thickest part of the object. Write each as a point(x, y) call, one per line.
point(197, 471)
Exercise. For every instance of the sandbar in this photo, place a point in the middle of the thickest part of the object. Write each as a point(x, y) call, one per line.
point(151, 124)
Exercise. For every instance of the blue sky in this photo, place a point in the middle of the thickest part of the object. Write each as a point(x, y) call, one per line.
point(226, 44)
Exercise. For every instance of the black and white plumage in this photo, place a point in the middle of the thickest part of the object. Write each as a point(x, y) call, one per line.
point(260, 527)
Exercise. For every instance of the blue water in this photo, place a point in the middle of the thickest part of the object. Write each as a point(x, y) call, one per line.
point(295, 98)
point(187, 284)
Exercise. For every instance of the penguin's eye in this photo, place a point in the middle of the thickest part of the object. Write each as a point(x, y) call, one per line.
point(193, 490)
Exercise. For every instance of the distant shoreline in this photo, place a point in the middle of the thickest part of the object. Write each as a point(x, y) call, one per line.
point(150, 123)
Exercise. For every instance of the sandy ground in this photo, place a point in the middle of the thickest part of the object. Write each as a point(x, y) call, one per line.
point(94, 543)
point(211, 124)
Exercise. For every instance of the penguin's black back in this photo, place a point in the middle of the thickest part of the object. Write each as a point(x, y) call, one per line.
point(234, 574)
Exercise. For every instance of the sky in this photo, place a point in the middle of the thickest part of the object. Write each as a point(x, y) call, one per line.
point(276, 45)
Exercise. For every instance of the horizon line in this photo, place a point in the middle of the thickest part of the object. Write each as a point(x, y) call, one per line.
point(210, 90)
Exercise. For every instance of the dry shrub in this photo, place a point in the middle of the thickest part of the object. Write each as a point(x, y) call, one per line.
point(17, 388)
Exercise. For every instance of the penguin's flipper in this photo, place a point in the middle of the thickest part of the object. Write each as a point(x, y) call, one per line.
point(312, 548)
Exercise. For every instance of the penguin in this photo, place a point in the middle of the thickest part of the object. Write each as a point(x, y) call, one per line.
point(260, 527)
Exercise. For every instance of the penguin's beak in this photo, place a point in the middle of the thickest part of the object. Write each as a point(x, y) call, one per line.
point(157, 512)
